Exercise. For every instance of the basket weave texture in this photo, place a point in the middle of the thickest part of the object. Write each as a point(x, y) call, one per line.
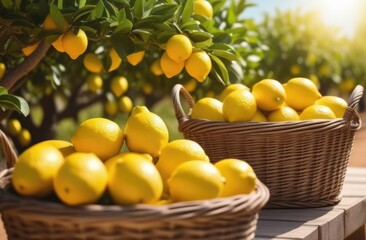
point(228, 218)
point(303, 163)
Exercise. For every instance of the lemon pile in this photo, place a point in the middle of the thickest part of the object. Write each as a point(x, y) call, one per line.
point(92, 168)
point(270, 101)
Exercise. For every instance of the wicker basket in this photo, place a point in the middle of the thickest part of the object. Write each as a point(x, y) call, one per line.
point(222, 218)
point(302, 163)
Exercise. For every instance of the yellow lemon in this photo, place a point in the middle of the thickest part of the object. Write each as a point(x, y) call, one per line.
point(13, 126)
point(110, 107)
point(347, 85)
point(203, 7)
point(315, 80)
point(283, 114)
point(317, 112)
point(30, 49)
point(24, 137)
point(135, 58)
point(125, 104)
point(93, 63)
point(94, 83)
point(259, 117)
point(269, 94)
point(58, 44)
point(35, 170)
point(240, 177)
point(65, 147)
point(177, 152)
point(147, 89)
point(208, 108)
point(195, 180)
point(119, 85)
point(155, 68)
point(179, 48)
point(190, 85)
point(115, 60)
point(337, 104)
point(295, 69)
point(231, 88)
point(49, 24)
point(111, 162)
point(2, 70)
point(75, 44)
point(100, 136)
point(301, 93)
point(134, 180)
point(82, 179)
point(170, 67)
point(239, 106)
point(198, 65)
point(145, 132)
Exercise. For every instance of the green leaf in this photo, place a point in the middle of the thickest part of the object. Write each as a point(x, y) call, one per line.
point(3, 90)
point(187, 10)
point(221, 67)
point(99, 9)
point(8, 4)
point(231, 14)
point(138, 8)
point(198, 36)
point(124, 27)
point(144, 35)
point(122, 44)
point(164, 9)
point(13, 102)
point(57, 17)
point(88, 9)
point(225, 54)
point(190, 26)
point(82, 3)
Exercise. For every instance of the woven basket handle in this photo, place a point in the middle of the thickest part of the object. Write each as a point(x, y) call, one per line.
point(351, 115)
point(355, 97)
point(9, 152)
point(178, 109)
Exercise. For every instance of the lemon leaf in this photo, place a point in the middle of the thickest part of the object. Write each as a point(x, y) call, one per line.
point(221, 67)
point(186, 10)
point(12, 102)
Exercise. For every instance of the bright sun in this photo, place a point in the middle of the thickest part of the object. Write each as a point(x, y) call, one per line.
point(343, 14)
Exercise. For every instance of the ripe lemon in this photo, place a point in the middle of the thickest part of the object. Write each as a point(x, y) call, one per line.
point(13, 126)
point(115, 60)
point(145, 132)
point(100, 136)
point(125, 104)
point(240, 177)
point(35, 170)
point(337, 104)
point(198, 65)
point(2, 70)
point(259, 117)
point(65, 147)
point(347, 85)
point(94, 83)
point(203, 7)
point(301, 93)
point(82, 179)
point(283, 114)
point(93, 63)
point(147, 89)
point(58, 44)
point(179, 48)
point(295, 69)
point(208, 108)
point(49, 24)
point(231, 88)
point(134, 180)
point(170, 67)
point(110, 107)
point(155, 68)
point(190, 85)
point(75, 45)
point(111, 162)
point(24, 137)
point(177, 152)
point(269, 94)
point(317, 112)
point(30, 49)
point(195, 180)
point(239, 106)
point(135, 58)
point(119, 85)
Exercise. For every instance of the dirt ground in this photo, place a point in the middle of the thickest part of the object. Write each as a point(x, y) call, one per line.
point(358, 154)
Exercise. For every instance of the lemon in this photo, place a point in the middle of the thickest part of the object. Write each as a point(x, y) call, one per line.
point(317, 112)
point(75, 45)
point(30, 49)
point(203, 7)
point(125, 104)
point(100, 136)
point(208, 108)
point(147, 89)
point(198, 65)
point(58, 44)
point(315, 80)
point(283, 114)
point(82, 179)
point(110, 107)
point(93, 63)
point(269, 94)
point(135, 58)
point(13, 126)
point(301, 93)
point(24, 137)
point(337, 104)
point(239, 106)
point(134, 180)
point(155, 68)
point(2, 70)
point(111, 162)
point(35, 170)
point(170, 67)
point(231, 88)
point(240, 177)
point(345, 86)
point(295, 69)
point(65, 147)
point(145, 132)
point(94, 83)
point(49, 24)
point(119, 85)
point(177, 152)
point(195, 180)
point(115, 60)
point(179, 48)
point(259, 117)
point(190, 85)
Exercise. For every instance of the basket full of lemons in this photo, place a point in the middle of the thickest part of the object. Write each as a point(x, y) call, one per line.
point(91, 187)
point(298, 141)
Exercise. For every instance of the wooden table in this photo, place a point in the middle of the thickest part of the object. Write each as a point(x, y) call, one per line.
point(345, 220)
